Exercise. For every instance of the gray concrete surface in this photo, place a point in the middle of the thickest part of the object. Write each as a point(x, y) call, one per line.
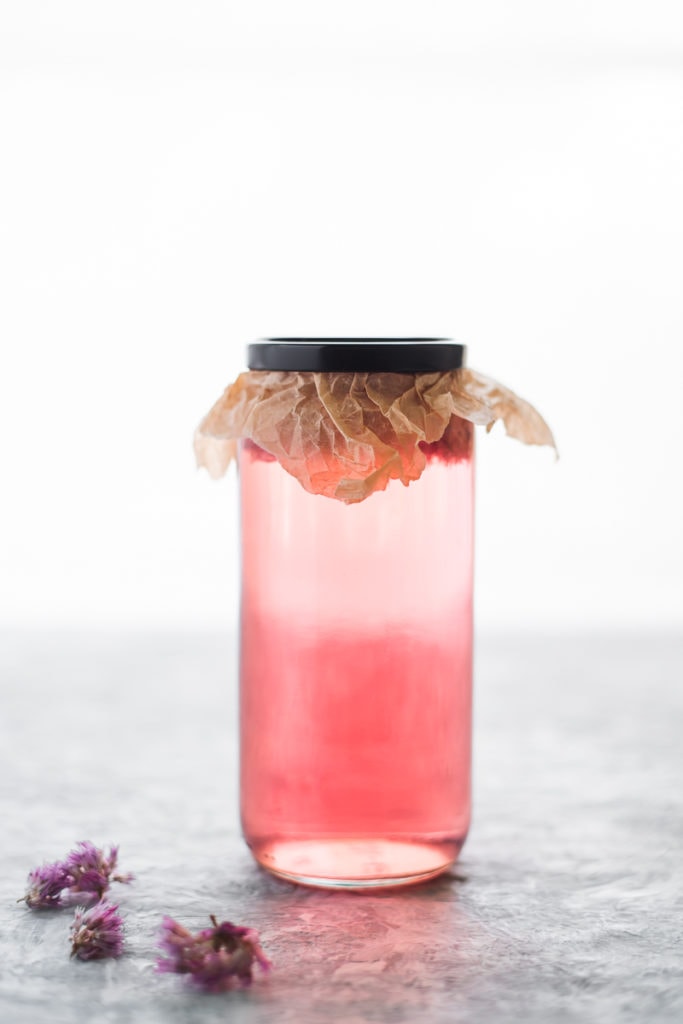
point(567, 904)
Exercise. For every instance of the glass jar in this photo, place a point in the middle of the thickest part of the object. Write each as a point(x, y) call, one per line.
point(356, 651)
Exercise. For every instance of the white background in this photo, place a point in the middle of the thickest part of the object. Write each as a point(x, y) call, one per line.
point(179, 178)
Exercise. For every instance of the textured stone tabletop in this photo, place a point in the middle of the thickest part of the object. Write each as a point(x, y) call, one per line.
point(567, 903)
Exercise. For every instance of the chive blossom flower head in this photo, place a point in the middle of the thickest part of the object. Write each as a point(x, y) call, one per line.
point(79, 880)
point(45, 886)
point(97, 932)
point(91, 872)
point(216, 958)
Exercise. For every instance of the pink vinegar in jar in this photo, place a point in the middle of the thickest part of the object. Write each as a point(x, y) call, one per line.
point(356, 672)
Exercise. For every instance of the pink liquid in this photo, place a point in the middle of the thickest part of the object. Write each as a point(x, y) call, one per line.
point(356, 675)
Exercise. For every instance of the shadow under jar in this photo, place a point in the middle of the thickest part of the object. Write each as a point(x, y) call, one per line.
point(356, 652)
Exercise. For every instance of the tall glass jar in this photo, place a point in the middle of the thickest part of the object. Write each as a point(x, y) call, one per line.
point(356, 652)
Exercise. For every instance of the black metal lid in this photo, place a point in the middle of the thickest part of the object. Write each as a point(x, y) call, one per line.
point(361, 355)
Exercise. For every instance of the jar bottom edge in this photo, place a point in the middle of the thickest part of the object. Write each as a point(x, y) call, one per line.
point(355, 862)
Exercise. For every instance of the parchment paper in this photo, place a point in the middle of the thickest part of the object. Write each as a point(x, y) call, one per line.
point(346, 435)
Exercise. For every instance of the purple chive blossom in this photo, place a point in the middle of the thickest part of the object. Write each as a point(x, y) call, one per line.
point(96, 932)
point(91, 872)
point(216, 958)
point(82, 878)
point(45, 886)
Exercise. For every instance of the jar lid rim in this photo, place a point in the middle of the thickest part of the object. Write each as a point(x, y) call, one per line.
point(360, 355)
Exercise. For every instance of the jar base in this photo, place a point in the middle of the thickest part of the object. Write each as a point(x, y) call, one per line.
point(355, 862)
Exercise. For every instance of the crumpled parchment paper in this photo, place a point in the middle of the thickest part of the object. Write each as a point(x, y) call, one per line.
point(346, 435)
